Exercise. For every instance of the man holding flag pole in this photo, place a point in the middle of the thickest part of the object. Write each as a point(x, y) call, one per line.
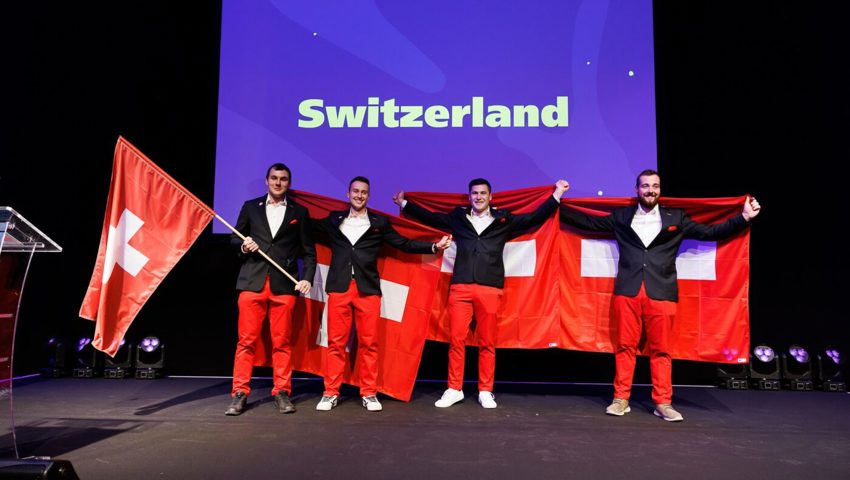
point(151, 221)
point(270, 228)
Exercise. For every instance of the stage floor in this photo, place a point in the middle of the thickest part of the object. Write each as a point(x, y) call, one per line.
point(176, 428)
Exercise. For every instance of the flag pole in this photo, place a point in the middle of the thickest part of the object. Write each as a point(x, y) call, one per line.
point(262, 253)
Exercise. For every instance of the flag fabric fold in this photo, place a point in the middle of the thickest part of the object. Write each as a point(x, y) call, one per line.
point(150, 222)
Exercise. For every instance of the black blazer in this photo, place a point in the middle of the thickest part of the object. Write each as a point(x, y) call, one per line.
point(479, 257)
point(294, 239)
point(654, 266)
point(363, 255)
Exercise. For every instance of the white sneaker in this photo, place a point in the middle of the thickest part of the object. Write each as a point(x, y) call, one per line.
point(487, 399)
point(449, 398)
point(327, 403)
point(372, 404)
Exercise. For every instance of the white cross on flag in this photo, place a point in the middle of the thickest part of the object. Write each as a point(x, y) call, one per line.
point(150, 222)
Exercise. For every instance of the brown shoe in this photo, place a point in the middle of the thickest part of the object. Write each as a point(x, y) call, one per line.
point(283, 403)
point(237, 405)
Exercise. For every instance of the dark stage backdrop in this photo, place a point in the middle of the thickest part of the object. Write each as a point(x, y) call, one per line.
point(749, 99)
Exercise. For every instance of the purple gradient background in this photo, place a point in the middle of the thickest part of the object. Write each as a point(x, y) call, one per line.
point(434, 53)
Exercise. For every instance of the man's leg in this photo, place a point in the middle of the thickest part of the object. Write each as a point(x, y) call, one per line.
point(487, 301)
point(253, 307)
point(460, 316)
point(339, 329)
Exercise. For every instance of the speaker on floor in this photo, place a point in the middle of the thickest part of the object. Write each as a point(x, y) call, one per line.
point(43, 469)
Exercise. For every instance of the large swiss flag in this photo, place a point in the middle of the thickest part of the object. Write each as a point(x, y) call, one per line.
point(559, 281)
point(150, 222)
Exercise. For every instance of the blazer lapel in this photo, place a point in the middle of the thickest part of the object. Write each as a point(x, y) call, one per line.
point(287, 217)
point(260, 211)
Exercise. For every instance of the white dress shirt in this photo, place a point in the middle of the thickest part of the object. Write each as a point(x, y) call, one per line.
point(647, 225)
point(355, 225)
point(274, 213)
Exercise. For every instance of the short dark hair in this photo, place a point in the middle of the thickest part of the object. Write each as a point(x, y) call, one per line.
point(646, 173)
point(480, 181)
point(358, 179)
point(279, 166)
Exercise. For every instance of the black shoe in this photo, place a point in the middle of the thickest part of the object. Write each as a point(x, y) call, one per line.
point(237, 406)
point(283, 403)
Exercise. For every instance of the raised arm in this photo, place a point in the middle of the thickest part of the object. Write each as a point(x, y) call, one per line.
point(719, 231)
point(573, 217)
point(440, 221)
point(526, 220)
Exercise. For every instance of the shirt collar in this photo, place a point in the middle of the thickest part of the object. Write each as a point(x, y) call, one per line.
point(353, 214)
point(270, 201)
point(653, 212)
point(484, 214)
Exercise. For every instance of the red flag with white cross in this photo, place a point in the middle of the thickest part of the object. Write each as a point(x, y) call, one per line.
point(559, 281)
point(150, 222)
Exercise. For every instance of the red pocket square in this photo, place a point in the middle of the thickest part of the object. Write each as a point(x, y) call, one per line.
point(672, 228)
point(376, 230)
point(293, 221)
point(503, 219)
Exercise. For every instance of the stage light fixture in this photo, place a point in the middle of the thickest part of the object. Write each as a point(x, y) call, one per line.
point(88, 361)
point(120, 365)
point(764, 368)
point(797, 369)
point(829, 366)
point(150, 358)
point(58, 359)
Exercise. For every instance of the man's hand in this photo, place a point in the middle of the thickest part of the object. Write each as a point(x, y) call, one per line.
point(561, 187)
point(249, 245)
point(751, 208)
point(398, 198)
point(444, 243)
point(303, 286)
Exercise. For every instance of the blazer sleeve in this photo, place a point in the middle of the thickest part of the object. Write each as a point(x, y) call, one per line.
point(308, 248)
point(242, 226)
point(573, 217)
point(526, 220)
point(432, 219)
point(701, 231)
point(403, 243)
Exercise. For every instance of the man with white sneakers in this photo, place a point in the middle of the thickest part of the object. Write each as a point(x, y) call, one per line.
point(480, 232)
point(354, 289)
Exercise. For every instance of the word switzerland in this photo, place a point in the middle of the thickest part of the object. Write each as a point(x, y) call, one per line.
point(314, 114)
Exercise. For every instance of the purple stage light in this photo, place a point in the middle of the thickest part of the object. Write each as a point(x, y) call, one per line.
point(799, 353)
point(82, 343)
point(764, 353)
point(149, 344)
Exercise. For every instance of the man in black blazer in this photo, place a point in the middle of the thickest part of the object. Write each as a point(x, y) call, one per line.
point(646, 289)
point(354, 289)
point(280, 228)
point(480, 232)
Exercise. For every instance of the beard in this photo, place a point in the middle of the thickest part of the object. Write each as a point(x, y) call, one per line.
point(648, 201)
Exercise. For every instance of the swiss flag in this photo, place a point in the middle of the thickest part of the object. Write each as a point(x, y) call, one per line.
point(407, 284)
point(559, 281)
point(150, 222)
point(529, 316)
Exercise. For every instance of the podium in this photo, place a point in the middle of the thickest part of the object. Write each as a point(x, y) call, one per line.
point(19, 240)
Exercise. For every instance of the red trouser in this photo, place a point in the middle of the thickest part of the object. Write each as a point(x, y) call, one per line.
point(253, 307)
point(365, 310)
point(631, 315)
point(466, 300)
